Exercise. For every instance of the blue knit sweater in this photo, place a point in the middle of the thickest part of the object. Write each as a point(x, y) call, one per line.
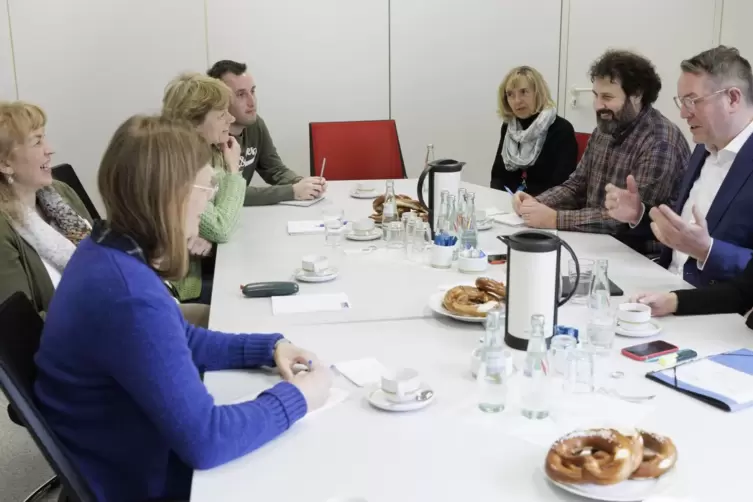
point(119, 382)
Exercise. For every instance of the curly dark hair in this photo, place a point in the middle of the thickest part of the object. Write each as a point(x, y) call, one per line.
point(635, 74)
point(220, 68)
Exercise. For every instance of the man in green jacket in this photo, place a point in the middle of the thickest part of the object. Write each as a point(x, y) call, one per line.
point(258, 152)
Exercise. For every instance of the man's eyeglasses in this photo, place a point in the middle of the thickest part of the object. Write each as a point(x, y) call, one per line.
point(689, 103)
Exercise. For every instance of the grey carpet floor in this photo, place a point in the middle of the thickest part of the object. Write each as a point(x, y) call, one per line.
point(22, 466)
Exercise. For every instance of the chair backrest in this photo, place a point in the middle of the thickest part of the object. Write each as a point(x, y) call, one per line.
point(582, 139)
point(66, 174)
point(19, 342)
point(363, 150)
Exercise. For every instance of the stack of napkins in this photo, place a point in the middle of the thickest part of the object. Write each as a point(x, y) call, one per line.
point(509, 219)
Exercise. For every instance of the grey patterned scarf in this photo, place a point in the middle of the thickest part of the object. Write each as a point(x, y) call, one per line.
point(522, 147)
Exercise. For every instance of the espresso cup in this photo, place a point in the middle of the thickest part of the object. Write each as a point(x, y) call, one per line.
point(364, 187)
point(363, 227)
point(633, 315)
point(401, 386)
point(315, 264)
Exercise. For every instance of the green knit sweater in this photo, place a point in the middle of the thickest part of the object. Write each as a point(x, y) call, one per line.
point(217, 222)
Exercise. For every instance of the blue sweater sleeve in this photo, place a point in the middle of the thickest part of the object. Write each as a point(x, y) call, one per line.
point(213, 350)
point(725, 261)
point(147, 353)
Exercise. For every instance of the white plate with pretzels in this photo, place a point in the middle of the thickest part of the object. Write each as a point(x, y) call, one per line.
point(469, 303)
point(610, 465)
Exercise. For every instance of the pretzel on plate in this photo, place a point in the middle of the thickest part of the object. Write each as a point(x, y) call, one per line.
point(466, 300)
point(659, 456)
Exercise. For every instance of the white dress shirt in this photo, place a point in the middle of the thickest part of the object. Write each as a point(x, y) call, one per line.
point(714, 170)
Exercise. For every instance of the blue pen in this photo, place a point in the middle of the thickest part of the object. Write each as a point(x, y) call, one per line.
point(509, 191)
point(322, 224)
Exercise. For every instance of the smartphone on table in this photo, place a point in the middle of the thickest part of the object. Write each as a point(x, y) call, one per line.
point(497, 259)
point(649, 350)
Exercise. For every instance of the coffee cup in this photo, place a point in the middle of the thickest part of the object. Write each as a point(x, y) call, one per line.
point(481, 215)
point(364, 187)
point(363, 227)
point(315, 264)
point(401, 385)
point(633, 315)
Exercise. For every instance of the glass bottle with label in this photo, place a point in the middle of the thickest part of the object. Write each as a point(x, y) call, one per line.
point(535, 391)
point(469, 237)
point(389, 209)
point(600, 330)
point(492, 374)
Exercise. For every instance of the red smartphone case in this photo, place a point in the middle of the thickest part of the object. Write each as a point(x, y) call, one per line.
point(635, 357)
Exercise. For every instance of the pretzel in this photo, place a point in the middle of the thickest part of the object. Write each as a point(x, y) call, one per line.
point(659, 456)
point(466, 300)
point(494, 288)
point(404, 202)
point(599, 456)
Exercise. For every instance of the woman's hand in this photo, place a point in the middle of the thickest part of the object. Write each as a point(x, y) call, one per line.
point(231, 151)
point(518, 199)
point(662, 304)
point(198, 246)
point(286, 355)
point(314, 384)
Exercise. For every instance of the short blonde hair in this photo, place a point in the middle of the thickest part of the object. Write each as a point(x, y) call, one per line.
point(145, 178)
point(191, 96)
point(525, 75)
point(18, 120)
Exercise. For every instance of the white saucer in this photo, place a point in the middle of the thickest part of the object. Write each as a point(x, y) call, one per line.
point(372, 236)
point(435, 304)
point(485, 225)
point(371, 194)
point(631, 490)
point(303, 276)
point(652, 328)
point(377, 399)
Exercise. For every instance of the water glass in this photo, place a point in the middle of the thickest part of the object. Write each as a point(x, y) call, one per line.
point(421, 242)
point(560, 349)
point(333, 231)
point(331, 212)
point(586, 273)
point(394, 235)
point(580, 371)
point(410, 230)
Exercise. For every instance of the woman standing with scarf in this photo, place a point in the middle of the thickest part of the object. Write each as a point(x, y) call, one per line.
point(537, 150)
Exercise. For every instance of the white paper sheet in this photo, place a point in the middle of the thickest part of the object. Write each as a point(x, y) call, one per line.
point(362, 371)
point(305, 227)
point(297, 304)
point(336, 396)
point(718, 378)
point(301, 203)
point(509, 219)
point(493, 211)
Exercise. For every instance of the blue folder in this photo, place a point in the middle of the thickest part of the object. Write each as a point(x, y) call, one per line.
point(740, 360)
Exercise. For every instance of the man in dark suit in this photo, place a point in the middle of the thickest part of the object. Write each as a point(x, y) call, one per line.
point(707, 230)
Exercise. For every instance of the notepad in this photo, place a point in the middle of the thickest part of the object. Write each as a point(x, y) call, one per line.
point(509, 219)
point(722, 380)
point(298, 304)
point(336, 396)
point(305, 227)
point(362, 371)
point(301, 203)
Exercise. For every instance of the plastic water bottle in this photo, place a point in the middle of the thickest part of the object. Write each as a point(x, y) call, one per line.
point(535, 391)
point(492, 376)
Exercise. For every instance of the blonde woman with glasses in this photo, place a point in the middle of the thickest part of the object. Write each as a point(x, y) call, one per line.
point(203, 101)
point(537, 149)
point(119, 369)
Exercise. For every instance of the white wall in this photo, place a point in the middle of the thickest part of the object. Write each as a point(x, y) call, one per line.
point(92, 63)
point(323, 60)
point(448, 59)
point(433, 64)
point(7, 74)
point(665, 31)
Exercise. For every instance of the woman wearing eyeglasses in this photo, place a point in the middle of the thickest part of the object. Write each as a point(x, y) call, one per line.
point(203, 101)
point(118, 377)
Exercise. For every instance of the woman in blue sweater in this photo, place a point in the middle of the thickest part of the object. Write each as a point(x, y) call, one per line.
point(119, 368)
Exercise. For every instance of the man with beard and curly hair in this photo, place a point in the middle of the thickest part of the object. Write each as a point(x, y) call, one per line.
point(631, 138)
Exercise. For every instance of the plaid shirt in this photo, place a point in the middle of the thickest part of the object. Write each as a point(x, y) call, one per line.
point(652, 149)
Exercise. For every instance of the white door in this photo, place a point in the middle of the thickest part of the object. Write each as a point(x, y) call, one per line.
point(665, 31)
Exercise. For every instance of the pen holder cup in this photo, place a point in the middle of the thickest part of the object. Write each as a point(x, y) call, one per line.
point(441, 256)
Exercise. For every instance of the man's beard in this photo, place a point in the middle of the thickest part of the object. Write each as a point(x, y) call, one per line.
point(616, 122)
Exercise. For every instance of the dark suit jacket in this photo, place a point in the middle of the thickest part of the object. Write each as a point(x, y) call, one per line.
point(730, 219)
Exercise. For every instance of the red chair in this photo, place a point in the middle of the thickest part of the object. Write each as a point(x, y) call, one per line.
point(362, 150)
point(582, 139)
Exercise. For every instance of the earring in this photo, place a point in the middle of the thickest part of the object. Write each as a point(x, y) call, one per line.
point(9, 177)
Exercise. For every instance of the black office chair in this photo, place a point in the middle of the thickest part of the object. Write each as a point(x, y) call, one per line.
point(66, 174)
point(19, 342)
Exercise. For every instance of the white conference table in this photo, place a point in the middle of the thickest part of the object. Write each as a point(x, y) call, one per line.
point(448, 451)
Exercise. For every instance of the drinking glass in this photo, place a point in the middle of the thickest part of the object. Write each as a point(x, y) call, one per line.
point(586, 273)
point(580, 371)
point(394, 235)
point(421, 243)
point(331, 212)
point(560, 349)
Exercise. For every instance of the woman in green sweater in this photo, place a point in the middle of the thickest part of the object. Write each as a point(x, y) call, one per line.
point(41, 220)
point(204, 101)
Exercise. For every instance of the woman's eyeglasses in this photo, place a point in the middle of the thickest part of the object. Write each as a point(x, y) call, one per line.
point(211, 190)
